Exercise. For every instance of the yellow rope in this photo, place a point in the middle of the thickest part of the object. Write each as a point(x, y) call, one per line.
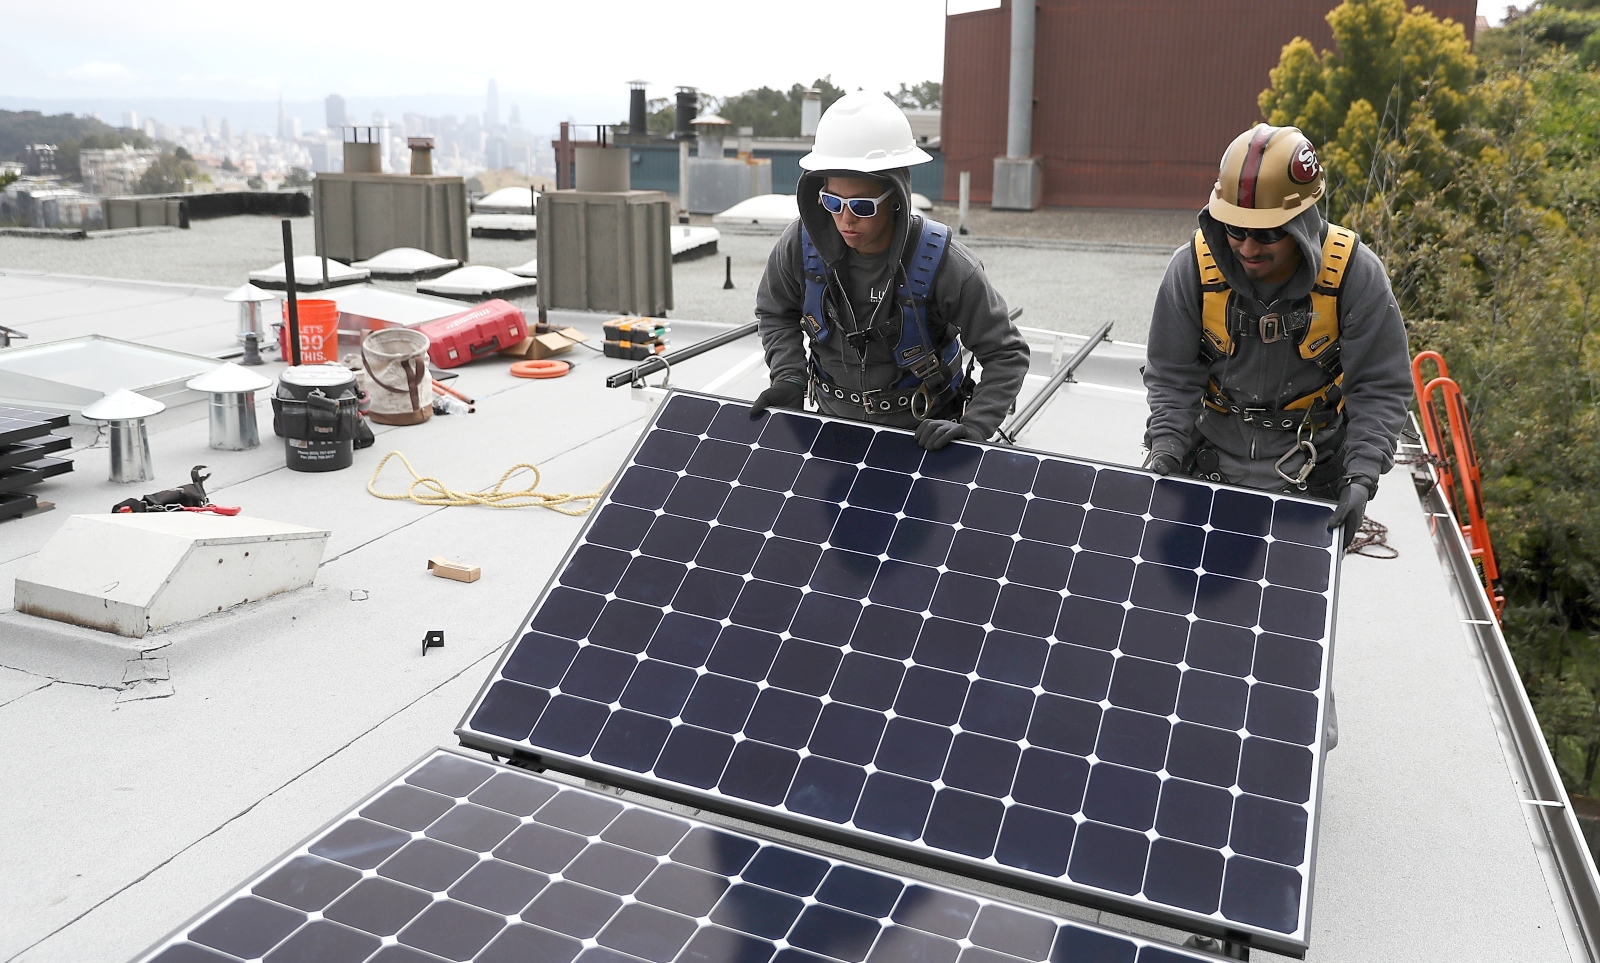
point(432, 492)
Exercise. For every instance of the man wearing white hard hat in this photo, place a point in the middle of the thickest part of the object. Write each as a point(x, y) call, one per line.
point(894, 308)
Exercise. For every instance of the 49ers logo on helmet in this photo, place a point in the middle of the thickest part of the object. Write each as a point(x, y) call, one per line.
point(1305, 167)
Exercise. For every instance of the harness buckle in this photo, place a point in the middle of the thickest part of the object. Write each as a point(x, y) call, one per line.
point(1271, 328)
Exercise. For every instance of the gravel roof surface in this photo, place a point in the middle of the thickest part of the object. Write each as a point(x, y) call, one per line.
point(1068, 269)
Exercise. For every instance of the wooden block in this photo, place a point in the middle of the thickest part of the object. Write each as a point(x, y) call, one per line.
point(444, 568)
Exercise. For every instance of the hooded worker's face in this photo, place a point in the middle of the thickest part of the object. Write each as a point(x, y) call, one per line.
point(863, 235)
point(1272, 263)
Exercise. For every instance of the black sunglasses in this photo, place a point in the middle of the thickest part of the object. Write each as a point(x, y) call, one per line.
point(1261, 235)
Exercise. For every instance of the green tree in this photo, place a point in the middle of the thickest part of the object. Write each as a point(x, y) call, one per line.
point(170, 174)
point(297, 177)
point(924, 96)
point(767, 111)
point(1382, 107)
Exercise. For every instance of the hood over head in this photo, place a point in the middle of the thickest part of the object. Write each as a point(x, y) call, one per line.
point(819, 223)
point(1307, 229)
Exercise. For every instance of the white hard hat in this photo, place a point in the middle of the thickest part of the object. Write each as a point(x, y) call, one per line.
point(863, 132)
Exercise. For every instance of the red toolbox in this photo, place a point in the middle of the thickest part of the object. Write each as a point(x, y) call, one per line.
point(474, 334)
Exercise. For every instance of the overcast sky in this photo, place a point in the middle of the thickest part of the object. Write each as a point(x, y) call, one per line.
point(306, 50)
point(576, 54)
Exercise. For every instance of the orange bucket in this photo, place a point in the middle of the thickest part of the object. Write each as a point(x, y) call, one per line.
point(319, 331)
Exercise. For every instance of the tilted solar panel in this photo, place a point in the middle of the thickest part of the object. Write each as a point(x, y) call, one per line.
point(1073, 678)
point(459, 859)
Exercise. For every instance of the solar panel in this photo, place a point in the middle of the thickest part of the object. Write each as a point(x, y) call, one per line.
point(458, 859)
point(1072, 678)
point(14, 429)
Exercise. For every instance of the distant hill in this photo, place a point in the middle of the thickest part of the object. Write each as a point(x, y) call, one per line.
point(19, 128)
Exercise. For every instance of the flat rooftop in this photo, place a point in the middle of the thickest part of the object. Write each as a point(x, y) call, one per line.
point(133, 807)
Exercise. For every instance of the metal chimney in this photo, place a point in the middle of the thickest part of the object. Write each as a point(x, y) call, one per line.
point(421, 154)
point(810, 112)
point(1019, 176)
point(638, 113)
point(363, 149)
point(1019, 114)
point(688, 107)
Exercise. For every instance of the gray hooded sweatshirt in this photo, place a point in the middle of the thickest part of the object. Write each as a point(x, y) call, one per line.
point(1377, 369)
point(962, 299)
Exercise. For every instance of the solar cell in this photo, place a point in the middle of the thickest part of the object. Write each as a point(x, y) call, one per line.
point(1073, 678)
point(461, 859)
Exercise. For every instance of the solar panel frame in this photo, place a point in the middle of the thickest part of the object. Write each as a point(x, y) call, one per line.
point(471, 859)
point(1292, 942)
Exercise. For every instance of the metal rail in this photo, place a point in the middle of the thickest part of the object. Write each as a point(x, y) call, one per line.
point(661, 362)
point(1548, 800)
point(1020, 421)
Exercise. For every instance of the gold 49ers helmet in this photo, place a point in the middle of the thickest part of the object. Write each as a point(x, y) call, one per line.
point(1269, 175)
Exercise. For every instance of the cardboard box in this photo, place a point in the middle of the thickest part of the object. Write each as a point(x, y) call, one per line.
point(444, 568)
point(546, 345)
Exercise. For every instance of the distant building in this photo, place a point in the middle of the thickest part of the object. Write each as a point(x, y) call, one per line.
point(130, 119)
point(43, 202)
point(226, 131)
point(39, 160)
point(491, 117)
point(924, 125)
point(497, 152)
point(335, 111)
point(327, 156)
point(114, 170)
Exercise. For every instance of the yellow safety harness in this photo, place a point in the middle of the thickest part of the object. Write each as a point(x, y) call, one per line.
point(1318, 338)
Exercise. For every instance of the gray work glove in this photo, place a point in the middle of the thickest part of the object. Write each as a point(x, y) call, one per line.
point(1352, 506)
point(1162, 463)
point(934, 434)
point(782, 394)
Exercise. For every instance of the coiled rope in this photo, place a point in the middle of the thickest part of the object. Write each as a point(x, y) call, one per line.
point(426, 490)
point(1372, 540)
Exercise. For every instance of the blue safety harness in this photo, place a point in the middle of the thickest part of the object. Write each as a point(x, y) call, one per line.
point(926, 370)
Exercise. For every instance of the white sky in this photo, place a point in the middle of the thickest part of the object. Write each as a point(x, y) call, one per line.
point(555, 57)
point(1495, 10)
point(305, 50)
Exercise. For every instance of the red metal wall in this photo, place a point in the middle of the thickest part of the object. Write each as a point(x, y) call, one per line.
point(1134, 100)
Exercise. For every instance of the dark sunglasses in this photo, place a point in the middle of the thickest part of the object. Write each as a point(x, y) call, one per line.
point(1261, 235)
point(859, 206)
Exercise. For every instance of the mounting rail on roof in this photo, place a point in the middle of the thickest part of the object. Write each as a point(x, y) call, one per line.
point(661, 362)
point(1010, 432)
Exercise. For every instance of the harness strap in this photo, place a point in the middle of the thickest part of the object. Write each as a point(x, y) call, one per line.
point(1318, 408)
point(1315, 330)
point(936, 371)
point(812, 315)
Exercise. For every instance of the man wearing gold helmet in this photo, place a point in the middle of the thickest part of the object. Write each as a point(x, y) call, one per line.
point(1277, 355)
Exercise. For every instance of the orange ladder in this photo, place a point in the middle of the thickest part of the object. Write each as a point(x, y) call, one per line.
point(1458, 465)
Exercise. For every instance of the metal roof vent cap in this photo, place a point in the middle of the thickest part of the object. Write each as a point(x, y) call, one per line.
point(249, 298)
point(712, 132)
point(129, 440)
point(233, 405)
